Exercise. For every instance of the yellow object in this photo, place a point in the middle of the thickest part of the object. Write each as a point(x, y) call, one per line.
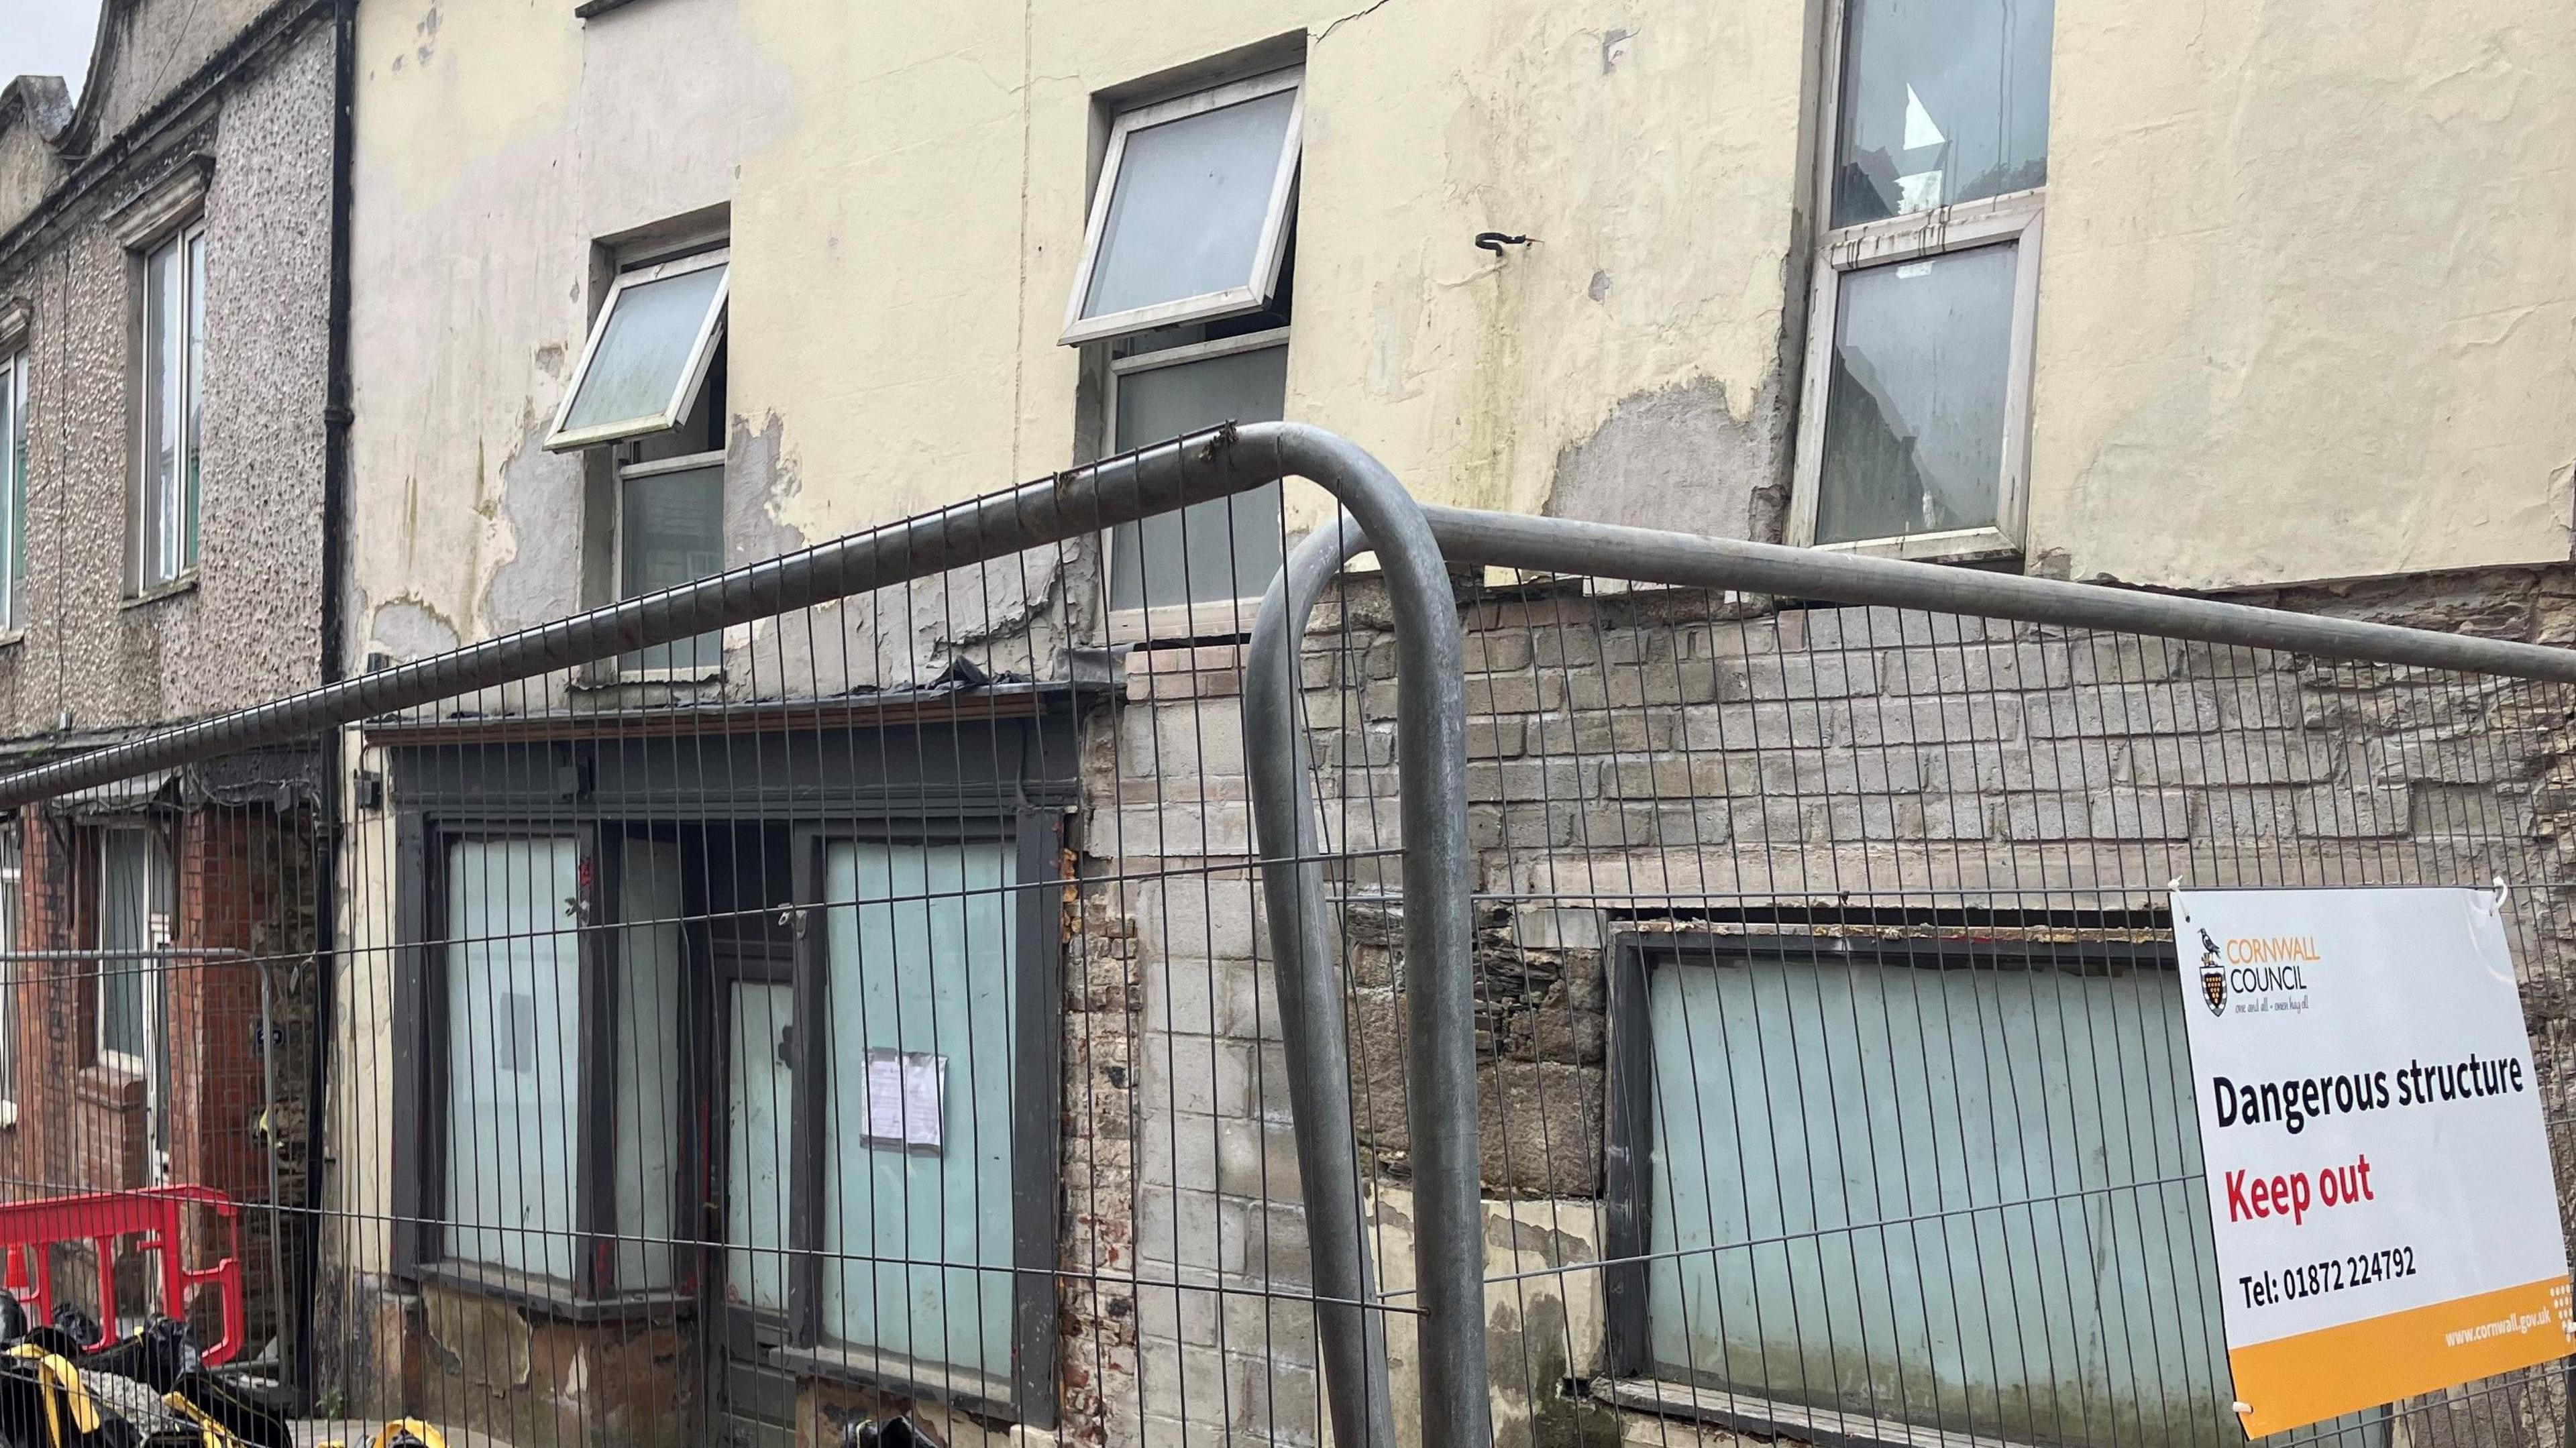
point(426, 1434)
point(62, 1383)
point(215, 1434)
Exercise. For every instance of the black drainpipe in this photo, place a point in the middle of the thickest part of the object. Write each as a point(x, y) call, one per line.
point(336, 417)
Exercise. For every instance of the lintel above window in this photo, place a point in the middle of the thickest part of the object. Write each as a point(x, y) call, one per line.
point(647, 354)
point(1190, 218)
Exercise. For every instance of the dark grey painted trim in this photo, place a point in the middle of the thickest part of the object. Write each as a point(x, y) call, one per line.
point(1037, 1157)
point(1037, 1065)
point(414, 1240)
point(595, 1077)
point(1629, 1071)
point(1629, 1139)
point(812, 1047)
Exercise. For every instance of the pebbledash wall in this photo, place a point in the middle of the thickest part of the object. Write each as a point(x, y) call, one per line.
point(217, 116)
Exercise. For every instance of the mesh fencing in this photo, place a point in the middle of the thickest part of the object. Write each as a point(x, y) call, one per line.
point(883, 1023)
point(1833, 1083)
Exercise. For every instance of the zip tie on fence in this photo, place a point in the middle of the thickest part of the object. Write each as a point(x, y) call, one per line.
point(2504, 892)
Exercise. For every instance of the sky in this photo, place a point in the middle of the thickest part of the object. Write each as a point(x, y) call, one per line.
point(47, 37)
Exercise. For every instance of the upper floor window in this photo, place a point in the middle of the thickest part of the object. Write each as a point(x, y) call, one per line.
point(1185, 276)
point(1914, 433)
point(648, 352)
point(172, 390)
point(651, 382)
point(13, 492)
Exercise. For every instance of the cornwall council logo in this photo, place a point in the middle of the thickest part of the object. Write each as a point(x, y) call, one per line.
point(2213, 976)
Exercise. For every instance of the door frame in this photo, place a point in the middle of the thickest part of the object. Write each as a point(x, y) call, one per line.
point(1037, 903)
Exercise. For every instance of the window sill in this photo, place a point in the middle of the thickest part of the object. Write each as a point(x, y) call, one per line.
point(545, 1296)
point(10, 638)
point(664, 677)
point(1173, 625)
point(1960, 545)
point(109, 1083)
point(1754, 1416)
point(184, 583)
point(957, 1387)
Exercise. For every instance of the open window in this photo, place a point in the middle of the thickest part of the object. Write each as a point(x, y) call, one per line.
point(1191, 218)
point(1184, 283)
point(648, 352)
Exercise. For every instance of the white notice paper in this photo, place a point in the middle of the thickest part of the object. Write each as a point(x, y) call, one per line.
point(907, 1091)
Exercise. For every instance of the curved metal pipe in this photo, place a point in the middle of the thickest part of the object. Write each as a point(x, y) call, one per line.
point(1122, 489)
point(1440, 993)
point(1310, 999)
point(1647, 555)
point(1431, 732)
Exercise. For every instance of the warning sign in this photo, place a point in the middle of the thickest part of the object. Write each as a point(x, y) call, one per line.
point(2379, 1182)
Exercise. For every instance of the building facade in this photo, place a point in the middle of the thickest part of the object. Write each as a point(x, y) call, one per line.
point(166, 314)
point(2257, 305)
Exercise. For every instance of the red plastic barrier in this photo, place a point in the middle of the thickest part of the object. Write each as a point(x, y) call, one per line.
point(27, 1229)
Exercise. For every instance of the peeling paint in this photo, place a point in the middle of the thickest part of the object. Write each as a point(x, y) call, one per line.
point(1679, 457)
point(410, 629)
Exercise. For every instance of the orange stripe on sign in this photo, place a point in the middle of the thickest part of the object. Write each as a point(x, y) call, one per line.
point(2291, 1382)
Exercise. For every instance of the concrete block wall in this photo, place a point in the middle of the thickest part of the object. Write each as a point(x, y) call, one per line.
point(1176, 1068)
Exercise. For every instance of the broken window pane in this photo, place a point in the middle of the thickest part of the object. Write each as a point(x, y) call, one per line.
point(1225, 548)
point(1190, 202)
point(672, 532)
point(1943, 101)
point(646, 350)
point(1914, 418)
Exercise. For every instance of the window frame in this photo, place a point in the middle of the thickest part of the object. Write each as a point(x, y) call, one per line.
point(1199, 618)
point(592, 1293)
point(156, 840)
point(1631, 1377)
point(421, 1044)
point(13, 491)
point(13, 920)
point(705, 673)
point(147, 507)
point(711, 328)
point(1268, 252)
point(1027, 1396)
point(1936, 231)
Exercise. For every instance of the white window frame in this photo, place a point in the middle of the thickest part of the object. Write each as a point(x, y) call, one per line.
point(159, 847)
point(13, 916)
point(684, 463)
point(1937, 231)
point(1202, 618)
point(1267, 253)
point(13, 497)
point(702, 348)
point(150, 515)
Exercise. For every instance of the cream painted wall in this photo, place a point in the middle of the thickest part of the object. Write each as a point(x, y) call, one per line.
point(2308, 307)
point(2305, 310)
point(907, 208)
